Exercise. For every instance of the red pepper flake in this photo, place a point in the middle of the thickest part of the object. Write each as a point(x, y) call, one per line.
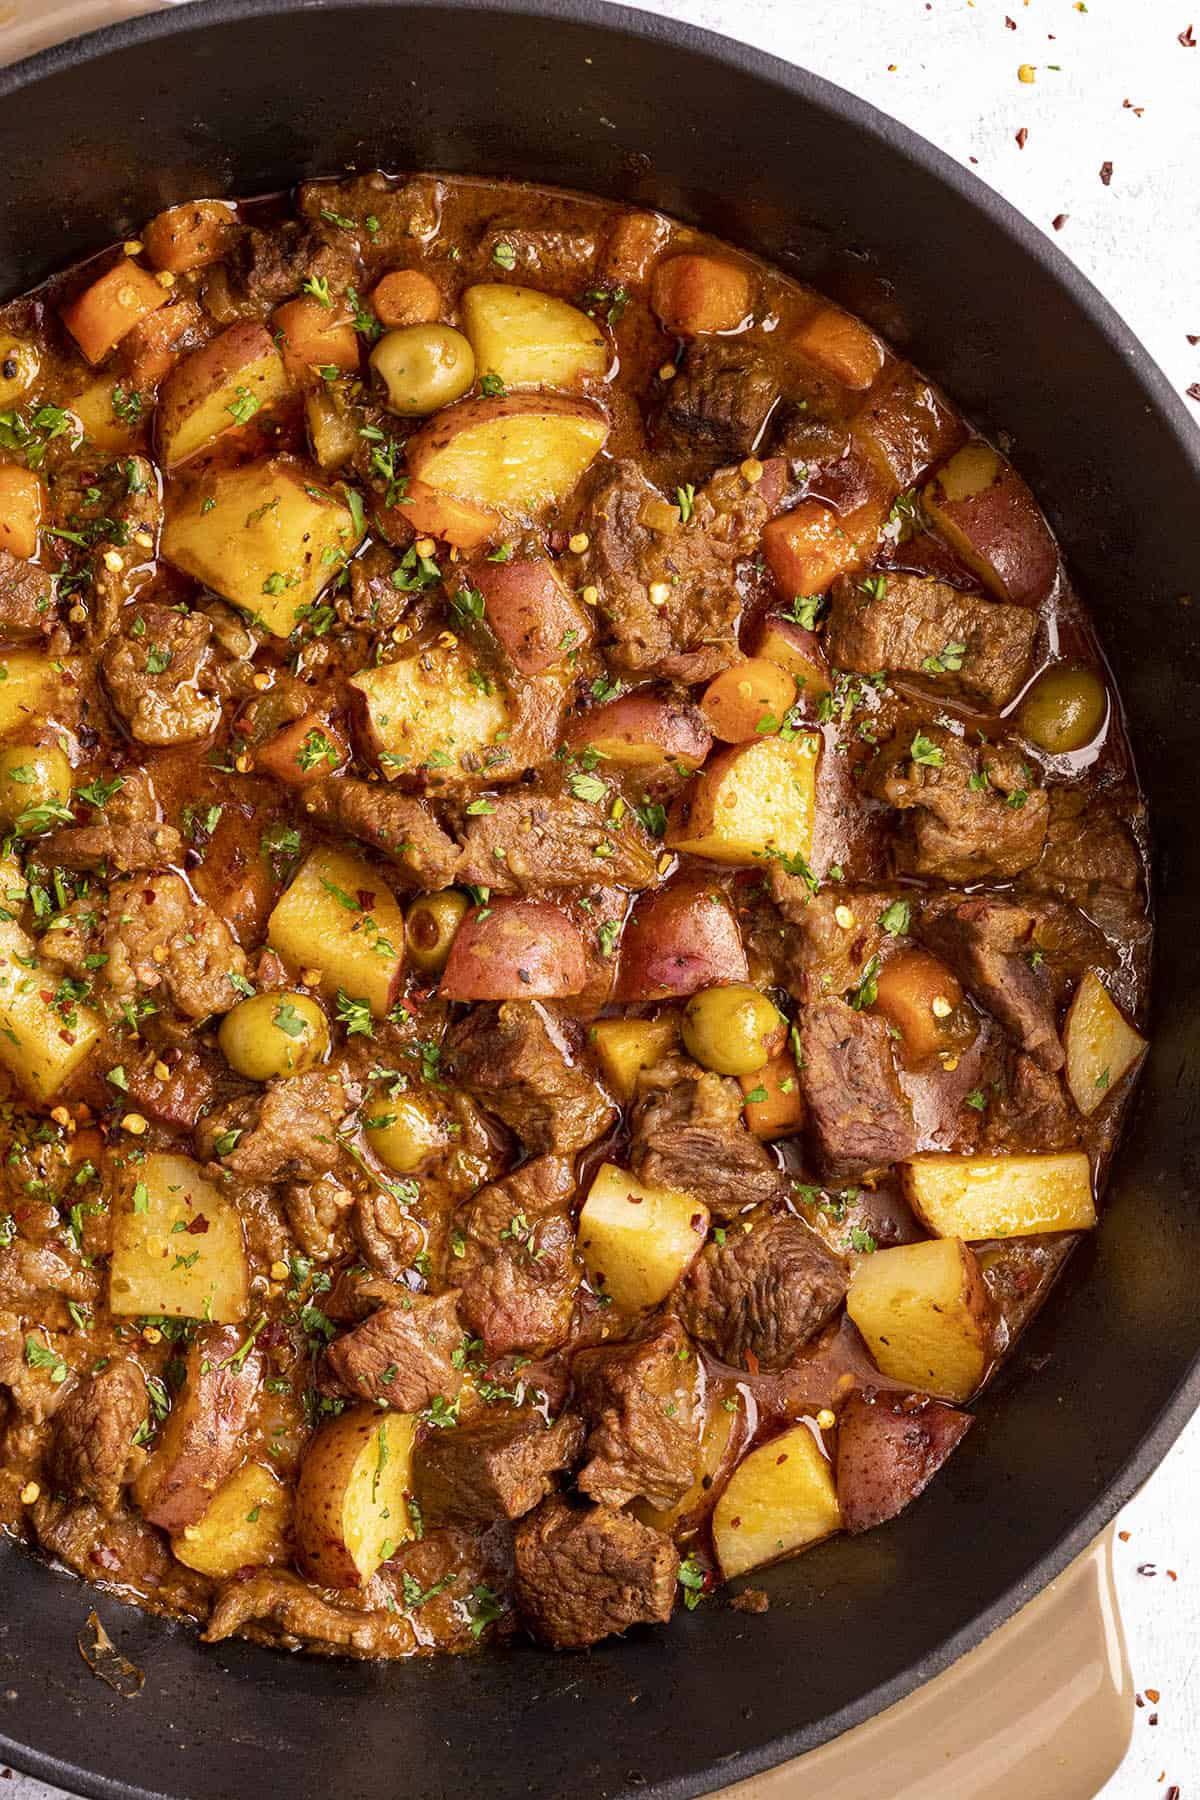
point(1022, 137)
point(1193, 392)
point(1187, 38)
point(1147, 1569)
point(1138, 1701)
point(1060, 220)
point(1193, 337)
point(1153, 1696)
point(1137, 111)
point(1124, 1536)
point(1153, 1719)
point(198, 1226)
point(1106, 173)
point(1171, 1575)
point(1011, 23)
point(1173, 1791)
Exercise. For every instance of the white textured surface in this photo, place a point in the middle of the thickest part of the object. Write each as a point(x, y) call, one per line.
point(955, 80)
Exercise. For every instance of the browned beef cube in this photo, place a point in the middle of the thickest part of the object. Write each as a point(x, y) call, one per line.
point(837, 933)
point(858, 1119)
point(974, 811)
point(177, 1099)
point(160, 676)
point(719, 402)
point(402, 1354)
point(642, 1407)
point(26, 595)
point(583, 1575)
point(971, 647)
point(688, 1132)
point(493, 1466)
point(534, 1078)
point(399, 825)
point(757, 1298)
point(513, 1258)
point(532, 841)
point(1028, 1108)
point(1090, 850)
point(989, 943)
point(888, 1451)
point(128, 836)
point(92, 1450)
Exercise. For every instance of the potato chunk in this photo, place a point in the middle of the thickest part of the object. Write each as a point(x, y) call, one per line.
point(37, 1045)
point(22, 500)
point(624, 1047)
point(988, 516)
point(1100, 1043)
point(975, 1197)
point(352, 1496)
point(750, 802)
point(425, 712)
point(780, 1500)
point(268, 536)
point(30, 683)
point(340, 916)
point(530, 339)
point(637, 1241)
point(163, 1260)
point(223, 384)
point(520, 453)
point(926, 1316)
point(723, 1437)
point(247, 1525)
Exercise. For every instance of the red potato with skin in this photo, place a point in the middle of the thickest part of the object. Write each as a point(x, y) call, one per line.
point(888, 1452)
point(224, 384)
point(798, 650)
point(303, 752)
point(679, 938)
point(643, 731)
point(527, 605)
point(427, 513)
point(515, 950)
point(988, 516)
point(204, 1439)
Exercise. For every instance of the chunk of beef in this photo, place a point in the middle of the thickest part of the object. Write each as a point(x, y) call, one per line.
point(158, 672)
point(990, 944)
point(285, 1132)
point(26, 599)
point(158, 940)
point(372, 601)
point(1090, 851)
point(264, 267)
point(32, 1272)
point(758, 1298)
point(92, 1452)
point(114, 1549)
point(385, 1233)
point(404, 215)
point(972, 811)
point(888, 1451)
point(719, 402)
point(401, 1354)
point(124, 837)
point(317, 1212)
point(33, 1394)
point(668, 599)
point(534, 841)
point(449, 1567)
point(972, 647)
point(1019, 1272)
point(121, 564)
point(493, 1466)
point(294, 1614)
point(582, 1576)
point(642, 1408)
point(687, 1132)
point(559, 253)
point(1028, 1108)
point(838, 931)
point(175, 1099)
point(858, 1119)
point(525, 1063)
point(514, 1259)
point(399, 825)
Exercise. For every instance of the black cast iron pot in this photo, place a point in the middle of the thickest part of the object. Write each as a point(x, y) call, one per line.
point(241, 96)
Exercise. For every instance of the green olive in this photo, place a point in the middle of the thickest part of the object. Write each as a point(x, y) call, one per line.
point(432, 922)
point(733, 1030)
point(19, 365)
point(274, 1034)
point(1064, 709)
point(404, 1135)
point(32, 777)
point(423, 367)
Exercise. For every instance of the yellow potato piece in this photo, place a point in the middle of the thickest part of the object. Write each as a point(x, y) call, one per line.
point(197, 406)
point(530, 339)
point(753, 801)
point(340, 916)
point(925, 1315)
point(101, 426)
point(351, 1498)
point(780, 1500)
point(160, 1267)
point(522, 452)
point(636, 1241)
point(974, 1197)
point(247, 1525)
point(425, 712)
point(37, 1045)
point(269, 536)
point(30, 683)
point(1100, 1043)
point(624, 1047)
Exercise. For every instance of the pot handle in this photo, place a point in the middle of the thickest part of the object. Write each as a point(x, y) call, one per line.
point(1042, 1708)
